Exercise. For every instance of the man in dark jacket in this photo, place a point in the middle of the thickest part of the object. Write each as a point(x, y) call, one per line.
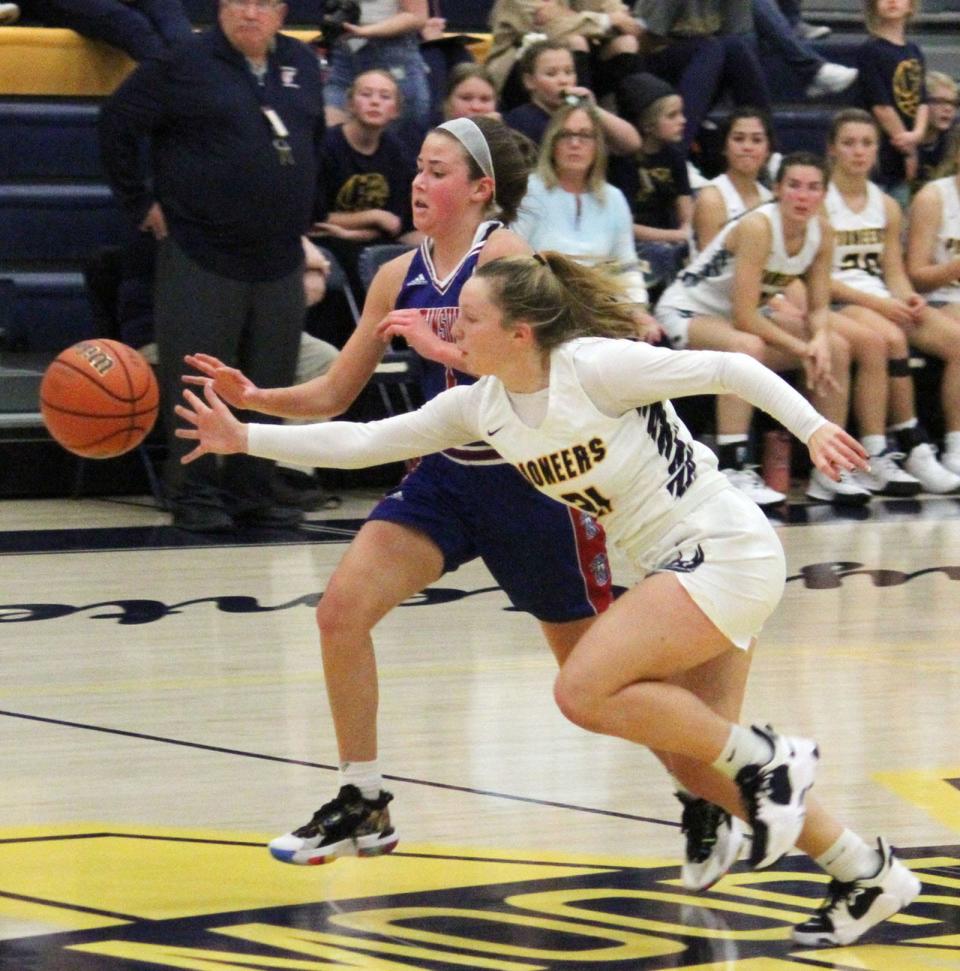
point(234, 119)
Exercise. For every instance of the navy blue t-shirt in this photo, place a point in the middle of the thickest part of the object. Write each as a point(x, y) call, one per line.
point(354, 182)
point(652, 184)
point(530, 120)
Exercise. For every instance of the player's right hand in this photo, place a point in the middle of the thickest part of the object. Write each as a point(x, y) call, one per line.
point(230, 384)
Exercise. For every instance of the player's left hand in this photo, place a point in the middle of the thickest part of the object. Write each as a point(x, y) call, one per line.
point(833, 450)
point(215, 429)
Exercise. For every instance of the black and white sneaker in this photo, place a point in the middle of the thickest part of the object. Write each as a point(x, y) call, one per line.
point(887, 476)
point(714, 838)
point(774, 794)
point(851, 909)
point(346, 826)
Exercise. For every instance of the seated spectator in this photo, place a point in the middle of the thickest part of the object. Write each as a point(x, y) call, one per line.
point(442, 54)
point(796, 54)
point(470, 92)
point(550, 79)
point(892, 90)
point(747, 143)
point(881, 316)
point(366, 174)
point(601, 35)
point(655, 179)
point(705, 49)
point(387, 38)
point(724, 300)
point(140, 28)
point(943, 99)
point(571, 208)
point(933, 263)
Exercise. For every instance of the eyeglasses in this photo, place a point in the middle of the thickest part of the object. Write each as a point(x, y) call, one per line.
point(261, 6)
point(951, 102)
point(568, 136)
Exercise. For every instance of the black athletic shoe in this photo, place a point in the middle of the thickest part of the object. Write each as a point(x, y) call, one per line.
point(346, 826)
point(713, 841)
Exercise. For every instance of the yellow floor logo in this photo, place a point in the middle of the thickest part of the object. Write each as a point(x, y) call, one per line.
point(84, 898)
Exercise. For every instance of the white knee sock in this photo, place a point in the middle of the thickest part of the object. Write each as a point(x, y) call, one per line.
point(850, 858)
point(364, 775)
point(744, 747)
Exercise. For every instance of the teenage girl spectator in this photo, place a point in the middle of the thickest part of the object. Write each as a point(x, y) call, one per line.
point(655, 179)
point(140, 28)
point(943, 99)
point(747, 143)
point(387, 38)
point(881, 316)
point(366, 174)
point(570, 207)
point(470, 92)
point(724, 300)
point(704, 48)
point(550, 78)
point(601, 34)
point(933, 261)
point(667, 665)
point(892, 89)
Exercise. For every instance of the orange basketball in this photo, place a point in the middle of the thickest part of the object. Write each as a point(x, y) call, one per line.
point(99, 398)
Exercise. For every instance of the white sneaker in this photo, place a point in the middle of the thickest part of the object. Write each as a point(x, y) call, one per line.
point(806, 31)
point(751, 485)
point(713, 841)
point(851, 909)
point(934, 476)
point(846, 492)
point(9, 14)
point(887, 478)
point(831, 79)
point(774, 795)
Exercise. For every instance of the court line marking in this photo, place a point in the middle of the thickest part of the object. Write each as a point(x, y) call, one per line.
point(449, 787)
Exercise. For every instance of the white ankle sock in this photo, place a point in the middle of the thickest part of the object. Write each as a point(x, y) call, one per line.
point(850, 858)
point(744, 747)
point(951, 443)
point(874, 444)
point(364, 775)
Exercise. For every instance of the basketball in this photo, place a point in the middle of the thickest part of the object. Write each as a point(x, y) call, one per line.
point(99, 398)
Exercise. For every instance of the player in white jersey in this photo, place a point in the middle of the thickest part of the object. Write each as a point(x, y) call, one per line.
point(933, 261)
point(881, 316)
point(586, 420)
point(726, 298)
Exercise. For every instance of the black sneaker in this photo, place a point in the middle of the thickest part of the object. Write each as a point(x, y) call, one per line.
point(714, 838)
point(269, 517)
point(293, 488)
point(346, 826)
point(199, 517)
point(851, 909)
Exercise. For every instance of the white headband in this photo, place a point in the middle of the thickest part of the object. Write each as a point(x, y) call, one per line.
point(468, 133)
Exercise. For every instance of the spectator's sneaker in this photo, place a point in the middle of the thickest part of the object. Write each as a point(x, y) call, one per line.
point(9, 14)
point(887, 476)
point(713, 837)
point(851, 909)
point(346, 826)
point(940, 476)
point(831, 79)
point(751, 485)
point(806, 31)
point(845, 492)
point(774, 794)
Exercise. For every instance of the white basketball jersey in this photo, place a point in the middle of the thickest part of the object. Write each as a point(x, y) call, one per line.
point(858, 241)
point(636, 473)
point(733, 203)
point(705, 287)
point(948, 236)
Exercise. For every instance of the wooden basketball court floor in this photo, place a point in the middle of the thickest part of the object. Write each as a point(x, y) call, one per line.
point(162, 715)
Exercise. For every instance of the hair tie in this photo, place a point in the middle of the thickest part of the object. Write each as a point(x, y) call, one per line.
point(468, 133)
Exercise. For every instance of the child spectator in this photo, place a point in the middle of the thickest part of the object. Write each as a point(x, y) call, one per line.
point(550, 78)
point(892, 89)
point(470, 92)
point(943, 99)
point(655, 179)
point(366, 174)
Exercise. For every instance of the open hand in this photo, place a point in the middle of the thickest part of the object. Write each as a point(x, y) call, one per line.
point(229, 383)
point(832, 451)
point(215, 429)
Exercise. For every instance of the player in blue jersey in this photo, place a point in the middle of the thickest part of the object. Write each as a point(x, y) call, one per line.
point(450, 509)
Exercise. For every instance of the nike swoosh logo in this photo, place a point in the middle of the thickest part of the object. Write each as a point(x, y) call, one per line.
point(494, 432)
